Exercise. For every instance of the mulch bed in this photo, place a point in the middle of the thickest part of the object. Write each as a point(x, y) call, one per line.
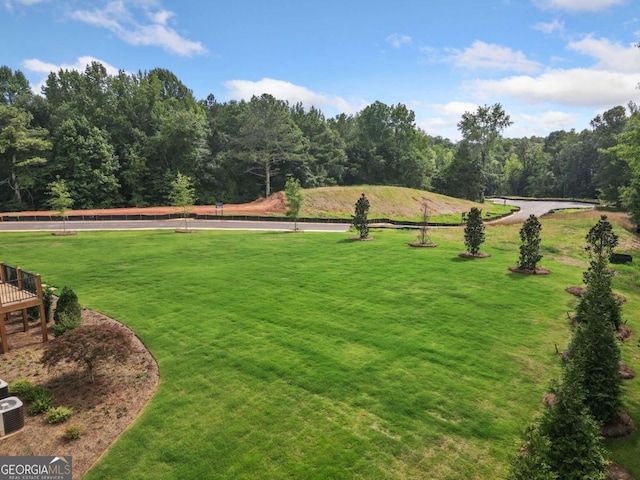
point(358, 239)
point(616, 472)
point(422, 245)
point(103, 409)
point(626, 372)
point(621, 427)
point(530, 271)
point(472, 255)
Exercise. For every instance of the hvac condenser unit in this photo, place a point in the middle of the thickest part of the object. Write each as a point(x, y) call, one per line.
point(11, 415)
point(4, 389)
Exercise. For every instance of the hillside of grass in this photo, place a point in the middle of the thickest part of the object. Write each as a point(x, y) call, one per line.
point(310, 356)
point(398, 203)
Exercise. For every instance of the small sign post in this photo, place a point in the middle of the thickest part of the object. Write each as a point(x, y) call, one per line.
point(220, 206)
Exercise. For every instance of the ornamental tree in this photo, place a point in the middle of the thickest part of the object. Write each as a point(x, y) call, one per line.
point(474, 231)
point(530, 247)
point(88, 346)
point(360, 221)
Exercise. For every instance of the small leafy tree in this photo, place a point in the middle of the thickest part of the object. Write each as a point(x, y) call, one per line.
point(182, 194)
point(60, 199)
point(88, 346)
point(295, 199)
point(474, 231)
point(530, 247)
point(67, 306)
point(360, 221)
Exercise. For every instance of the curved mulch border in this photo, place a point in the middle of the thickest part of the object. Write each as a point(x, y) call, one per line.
point(422, 245)
point(471, 255)
point(104, 408)
point(528, 271)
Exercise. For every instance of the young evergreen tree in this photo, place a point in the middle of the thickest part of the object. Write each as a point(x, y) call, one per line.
point(474, 231)
point(68, 306)
point(295, 199)
point(530, 247)
point(360, 221)
point(565, 443)
point(598, 295)
point(594, 349)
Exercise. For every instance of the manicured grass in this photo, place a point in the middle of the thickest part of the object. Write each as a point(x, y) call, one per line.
point(309, 356)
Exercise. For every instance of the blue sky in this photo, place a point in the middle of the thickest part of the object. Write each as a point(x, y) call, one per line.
point(552, 64)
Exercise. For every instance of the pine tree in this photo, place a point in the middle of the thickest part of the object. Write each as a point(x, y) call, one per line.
point(474, 231)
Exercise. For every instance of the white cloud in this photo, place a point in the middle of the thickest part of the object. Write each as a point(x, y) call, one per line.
point(527, 125)
point(611, 56)
point(118, 18)
point(10, 3)
point(578, 5)
point(551, 27)
point(483, 55)
point(576, 87)
point(44, 68)
point(245, 89)
point(397, 40)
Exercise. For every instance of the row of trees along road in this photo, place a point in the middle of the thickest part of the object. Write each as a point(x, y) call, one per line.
point(120, 140)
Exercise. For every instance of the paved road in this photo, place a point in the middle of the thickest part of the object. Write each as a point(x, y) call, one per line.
point(527, 207)
point(535, 207)
point(170, 225)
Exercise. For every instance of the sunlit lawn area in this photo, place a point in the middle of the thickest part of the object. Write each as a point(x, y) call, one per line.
point(309, 356)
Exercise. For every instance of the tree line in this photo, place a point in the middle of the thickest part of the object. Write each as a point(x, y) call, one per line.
point(120, 140)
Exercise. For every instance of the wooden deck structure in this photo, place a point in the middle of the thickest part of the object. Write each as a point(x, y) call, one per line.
point(19, 290)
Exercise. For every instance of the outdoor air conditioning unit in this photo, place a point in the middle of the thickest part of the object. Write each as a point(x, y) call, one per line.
point(4, 389)
point(11, 415)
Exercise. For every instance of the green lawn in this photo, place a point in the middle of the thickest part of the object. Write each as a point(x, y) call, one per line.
point(309, 356)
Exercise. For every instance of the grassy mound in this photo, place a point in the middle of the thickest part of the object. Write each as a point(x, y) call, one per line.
point(386, 202)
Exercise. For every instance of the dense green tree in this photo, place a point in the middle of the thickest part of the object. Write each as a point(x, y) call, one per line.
point(22, 149)
point(481, 130)
point(612, 174)
point(85, 158)
point(360, 218)
point(268, 138)
point(474, 231)
point(594, 349)
point(326, 154)
point(463, 177)
point(628, 151)
point(14, 87)
point(565, 442)
point(530, 246)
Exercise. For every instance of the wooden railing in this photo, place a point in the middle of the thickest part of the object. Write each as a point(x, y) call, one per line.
point(19, 290)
